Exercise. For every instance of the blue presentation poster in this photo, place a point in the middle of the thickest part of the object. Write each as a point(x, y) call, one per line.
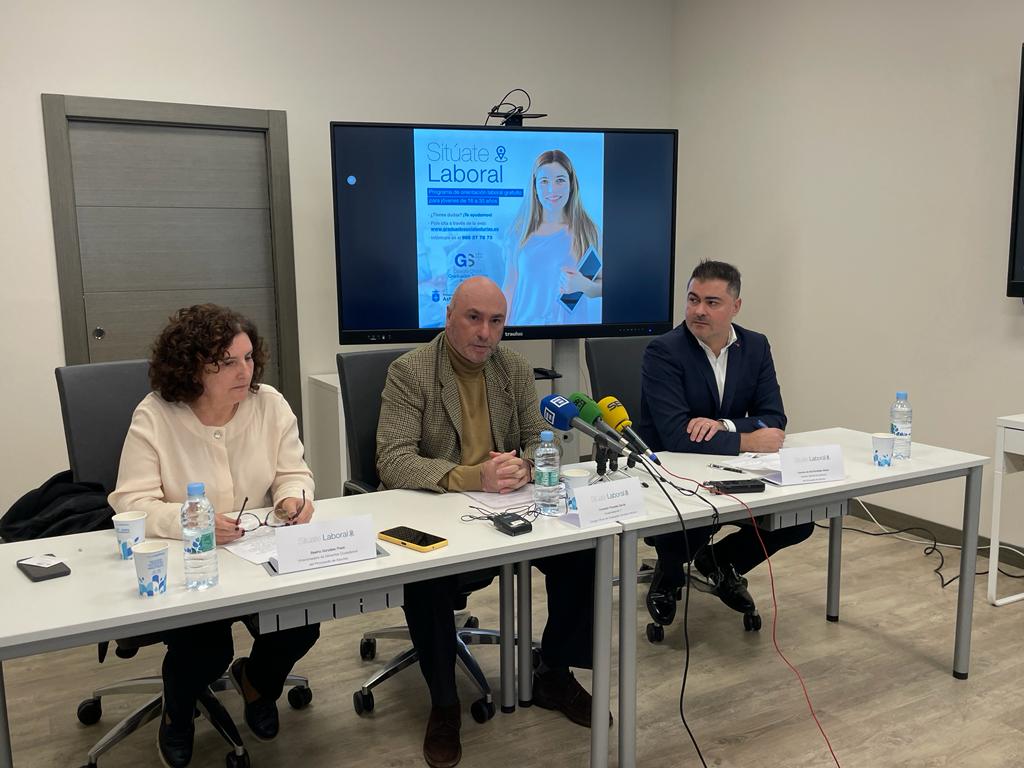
point(475, 194)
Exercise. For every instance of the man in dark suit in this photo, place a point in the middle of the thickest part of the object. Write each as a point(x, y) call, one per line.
point(709, 386)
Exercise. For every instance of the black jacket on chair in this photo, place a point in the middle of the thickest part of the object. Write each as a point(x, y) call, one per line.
point(59, 506)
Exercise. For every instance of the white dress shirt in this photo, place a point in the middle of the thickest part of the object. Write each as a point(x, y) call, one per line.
point(720, 365)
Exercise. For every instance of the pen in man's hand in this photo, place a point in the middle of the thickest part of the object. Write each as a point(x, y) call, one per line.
point(727, 469)
point(761, 424)
point(239, 518)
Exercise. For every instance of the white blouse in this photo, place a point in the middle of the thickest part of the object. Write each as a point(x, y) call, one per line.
point(257, 454)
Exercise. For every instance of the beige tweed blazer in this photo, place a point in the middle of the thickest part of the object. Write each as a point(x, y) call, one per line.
point(419, 432)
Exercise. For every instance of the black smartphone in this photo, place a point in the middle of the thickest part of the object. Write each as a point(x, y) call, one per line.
point(751, 485)
point(413, 539)
point(43, 573)
point(590, 264)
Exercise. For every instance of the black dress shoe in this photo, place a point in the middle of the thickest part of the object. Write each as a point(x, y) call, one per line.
point(661, 598)
point(261, 714)
point(442, 747)
point(726, 583)
point(175, 744)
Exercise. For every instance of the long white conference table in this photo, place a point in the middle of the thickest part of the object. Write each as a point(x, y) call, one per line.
point(99, 601)
point(788, 505)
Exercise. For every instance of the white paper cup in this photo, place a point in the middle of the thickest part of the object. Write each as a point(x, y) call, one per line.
point(151, 567)
point(575, 477)
point(882, 444)
point(130, 528)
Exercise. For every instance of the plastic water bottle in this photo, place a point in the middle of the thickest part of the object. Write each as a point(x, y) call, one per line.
point(200, 539)
point(547, 490)
point(900, 417)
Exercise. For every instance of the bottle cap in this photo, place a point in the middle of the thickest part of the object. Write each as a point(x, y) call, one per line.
point(547, 436)
point(197, 489)
point(901, 395)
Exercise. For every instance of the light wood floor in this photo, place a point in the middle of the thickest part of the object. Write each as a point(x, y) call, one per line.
point(880, 681)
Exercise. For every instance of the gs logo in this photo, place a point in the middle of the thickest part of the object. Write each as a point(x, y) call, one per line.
point(464, 260)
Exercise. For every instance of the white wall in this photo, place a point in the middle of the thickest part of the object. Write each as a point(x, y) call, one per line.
point(855, 159)
point(586, 62)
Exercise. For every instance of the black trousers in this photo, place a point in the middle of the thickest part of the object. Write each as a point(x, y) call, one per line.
point(740, 549)
point(196, 656)
point(568, 635)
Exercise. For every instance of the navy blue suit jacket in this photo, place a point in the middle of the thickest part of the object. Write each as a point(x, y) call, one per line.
point(678, 384)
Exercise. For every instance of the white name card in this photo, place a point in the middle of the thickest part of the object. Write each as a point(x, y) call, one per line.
point(816, 464)
point(605, 502)
point(316, 545)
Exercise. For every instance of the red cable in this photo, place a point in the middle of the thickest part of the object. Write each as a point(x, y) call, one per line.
point(775, 605)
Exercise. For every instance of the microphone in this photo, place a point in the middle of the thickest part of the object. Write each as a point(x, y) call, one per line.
point(591, 413)
point(563, 416)
point(615, 414)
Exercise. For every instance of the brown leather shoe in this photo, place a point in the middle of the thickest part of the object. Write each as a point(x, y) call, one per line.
point(559, 690)
point(441, 745)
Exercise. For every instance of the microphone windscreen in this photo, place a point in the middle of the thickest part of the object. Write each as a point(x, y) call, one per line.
point(614, 413)
point(558, 412)
point(589, 412)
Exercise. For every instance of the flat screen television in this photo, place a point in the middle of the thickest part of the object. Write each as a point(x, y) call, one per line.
point(576, 225)
point(1015, 276)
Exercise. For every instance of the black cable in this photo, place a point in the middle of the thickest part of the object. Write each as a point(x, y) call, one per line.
point(661, 482)
point(516, 108)
point(933, 547)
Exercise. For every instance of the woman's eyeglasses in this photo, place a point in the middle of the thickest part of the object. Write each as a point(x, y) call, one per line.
point(250, 521)
point(275, 518)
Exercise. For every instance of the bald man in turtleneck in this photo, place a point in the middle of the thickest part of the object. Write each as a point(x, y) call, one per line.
point(461, 414)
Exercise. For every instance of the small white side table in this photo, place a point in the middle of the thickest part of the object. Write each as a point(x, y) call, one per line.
point(1009, 458)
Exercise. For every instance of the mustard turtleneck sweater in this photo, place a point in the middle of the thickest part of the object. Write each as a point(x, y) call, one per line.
point(477, 441)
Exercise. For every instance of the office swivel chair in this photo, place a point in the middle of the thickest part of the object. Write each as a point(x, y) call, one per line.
point(97, 401)
point(614, 366)
point(362, 376)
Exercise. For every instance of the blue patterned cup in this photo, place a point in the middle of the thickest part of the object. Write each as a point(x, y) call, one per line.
point(130, 528)
point(151, 567)
point(882, 444)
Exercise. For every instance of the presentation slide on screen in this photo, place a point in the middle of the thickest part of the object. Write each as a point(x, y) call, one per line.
point(524, 209)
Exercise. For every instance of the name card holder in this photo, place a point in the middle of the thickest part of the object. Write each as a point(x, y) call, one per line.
point(814, 464)
point(318, 545)
point(605, 502)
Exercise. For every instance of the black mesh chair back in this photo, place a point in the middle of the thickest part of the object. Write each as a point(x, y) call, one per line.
point(362, 376)
point(614, 366)
point(97, 401)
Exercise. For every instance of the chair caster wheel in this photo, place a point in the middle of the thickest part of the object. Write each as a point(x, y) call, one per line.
point(362, 702)
point(300, 696)
point(482, 710)
point(655, 633)
point(234, 760)
point(472, 623)
point(90, 711)
point(752, 622)
point(535, 658)
point(368, 648)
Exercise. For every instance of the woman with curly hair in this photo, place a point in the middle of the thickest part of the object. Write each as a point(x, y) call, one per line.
point(209, 419)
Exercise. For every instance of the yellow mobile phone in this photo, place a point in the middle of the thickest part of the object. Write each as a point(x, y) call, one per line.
point(413, 539)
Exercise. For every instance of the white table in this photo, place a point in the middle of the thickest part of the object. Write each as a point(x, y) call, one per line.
point(98, 601)
point(1009, 458)
point(927, 465)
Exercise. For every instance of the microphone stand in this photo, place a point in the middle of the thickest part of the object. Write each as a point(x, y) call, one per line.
point(601, 457)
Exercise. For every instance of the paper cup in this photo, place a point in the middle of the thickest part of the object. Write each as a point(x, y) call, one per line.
point(130, 528)
point(575, 477)
point(151, 567)
point(882, 444)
